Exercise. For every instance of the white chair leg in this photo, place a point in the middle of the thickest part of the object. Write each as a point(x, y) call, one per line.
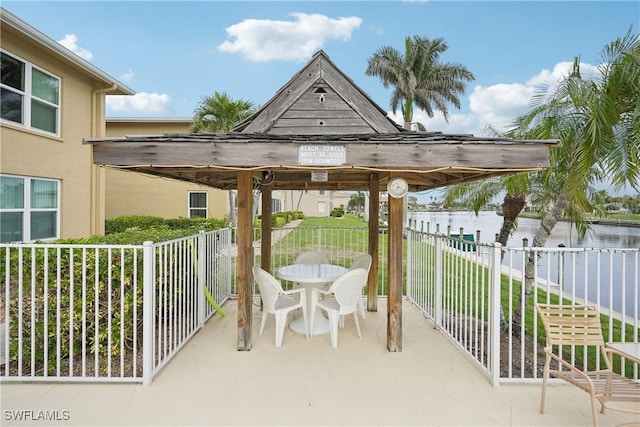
point(264, 321)
point(355, 316)
point(305, 317)
point(333, 327)
point(280, 323)
point(361, 306)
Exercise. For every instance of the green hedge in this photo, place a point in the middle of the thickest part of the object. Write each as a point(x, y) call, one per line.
point(138, 228)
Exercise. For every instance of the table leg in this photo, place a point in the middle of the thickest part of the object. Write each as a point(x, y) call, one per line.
point(320, 323)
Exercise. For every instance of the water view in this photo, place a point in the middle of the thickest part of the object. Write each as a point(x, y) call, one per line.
point(607, 276)
point(489, 223)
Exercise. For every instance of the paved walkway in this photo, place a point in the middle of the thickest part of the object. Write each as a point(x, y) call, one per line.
point(307, 383)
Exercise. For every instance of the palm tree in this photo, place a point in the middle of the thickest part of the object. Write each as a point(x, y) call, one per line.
point(598, 124)
point(219, 113)
point(419, 78)
point(357, 202)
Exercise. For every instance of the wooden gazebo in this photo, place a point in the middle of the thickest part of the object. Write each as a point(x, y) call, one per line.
point(320, 131)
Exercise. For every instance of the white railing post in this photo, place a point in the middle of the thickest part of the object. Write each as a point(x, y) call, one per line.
point(410, 262)
point(437, 295)
point(494, 313)
point(148, 306)
point(200, 257)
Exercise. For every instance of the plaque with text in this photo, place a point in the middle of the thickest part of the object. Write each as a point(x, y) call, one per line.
point(324, 155)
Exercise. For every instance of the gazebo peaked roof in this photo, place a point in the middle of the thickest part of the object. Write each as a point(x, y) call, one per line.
point(321, 120)
point(319, 99)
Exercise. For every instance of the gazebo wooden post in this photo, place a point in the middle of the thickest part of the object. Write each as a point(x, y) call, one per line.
point(245, 259)
point(265, 232)
point(374, 242)
point(394, 300)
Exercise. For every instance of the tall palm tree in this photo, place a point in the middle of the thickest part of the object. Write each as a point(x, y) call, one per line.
point(419, 78)
point(220, 113)
point(598, 124)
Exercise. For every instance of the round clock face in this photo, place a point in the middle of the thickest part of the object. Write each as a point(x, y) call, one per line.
point(397, 187)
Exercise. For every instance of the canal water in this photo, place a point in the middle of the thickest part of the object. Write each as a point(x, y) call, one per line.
point(489, 223)
point(571, 270)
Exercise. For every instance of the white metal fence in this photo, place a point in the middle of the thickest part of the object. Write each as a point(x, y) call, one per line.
point(119, 313)
point(478, 295)
point(113, 313)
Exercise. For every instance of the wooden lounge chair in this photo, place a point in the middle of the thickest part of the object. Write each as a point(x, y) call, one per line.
point(570, 326)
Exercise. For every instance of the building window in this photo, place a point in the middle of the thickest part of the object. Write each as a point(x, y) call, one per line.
point(28, 209)
point(276, 205)
point(29, 96)
point(197, 204)
point(322, 207)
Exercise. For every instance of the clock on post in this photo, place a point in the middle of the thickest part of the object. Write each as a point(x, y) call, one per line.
point(397, 187)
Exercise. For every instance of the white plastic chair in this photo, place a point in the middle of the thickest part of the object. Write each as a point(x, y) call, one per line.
point(279, 302)
point(362, 261)
point(311, 257)
point(341, 299)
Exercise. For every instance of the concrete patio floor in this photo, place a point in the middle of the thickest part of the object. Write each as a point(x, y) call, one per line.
point(306, 382)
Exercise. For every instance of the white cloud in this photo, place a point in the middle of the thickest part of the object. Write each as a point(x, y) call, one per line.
point(147, 103)
point(128, 76)
point(266, 40)
point(496, 105)
point(70, 41)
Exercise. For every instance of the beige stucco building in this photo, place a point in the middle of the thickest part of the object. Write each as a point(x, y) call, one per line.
point(315, 202)
point(51, 100)
point(132, 193)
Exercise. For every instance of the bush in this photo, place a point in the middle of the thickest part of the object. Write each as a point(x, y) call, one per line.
point(123, 223)
point(337, 212)
point(137, 229)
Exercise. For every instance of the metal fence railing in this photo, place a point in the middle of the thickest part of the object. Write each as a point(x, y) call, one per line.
point(120, 313)
point(482, 295)
point(113, 313)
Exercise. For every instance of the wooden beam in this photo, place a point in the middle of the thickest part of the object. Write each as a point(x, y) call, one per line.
point(394, 309)
point(272, 154)
point(245, 259)
point(374, 242)
point(265, 232)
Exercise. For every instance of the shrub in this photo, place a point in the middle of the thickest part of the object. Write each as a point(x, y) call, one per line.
point(337, 212)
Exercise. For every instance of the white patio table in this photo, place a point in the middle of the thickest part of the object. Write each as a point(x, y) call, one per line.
point(309, 276)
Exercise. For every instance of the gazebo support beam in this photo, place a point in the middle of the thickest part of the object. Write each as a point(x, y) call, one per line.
point(394, 310)
point(374, 239)
point(245, 259)
point(265, 232)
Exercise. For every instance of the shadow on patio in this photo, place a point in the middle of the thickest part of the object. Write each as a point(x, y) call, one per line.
point(305, 382)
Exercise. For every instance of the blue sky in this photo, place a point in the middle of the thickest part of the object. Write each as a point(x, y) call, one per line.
point(172, 53)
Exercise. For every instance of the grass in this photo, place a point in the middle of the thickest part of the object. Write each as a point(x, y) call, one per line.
point(349, 235)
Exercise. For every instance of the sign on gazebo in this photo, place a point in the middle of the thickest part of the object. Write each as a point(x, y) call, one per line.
point(332, 155)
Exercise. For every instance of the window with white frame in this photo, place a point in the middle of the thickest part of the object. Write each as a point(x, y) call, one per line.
point(29, 209)
point(276, 205)
point(198, 204)
point(29, 96)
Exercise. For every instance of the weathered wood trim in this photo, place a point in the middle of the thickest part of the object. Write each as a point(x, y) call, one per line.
point(245, 260)
point(394, 299)
point(354, 97)
point(284, 99)
point(265, 232)
point(417, 156)
point(374, 242)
